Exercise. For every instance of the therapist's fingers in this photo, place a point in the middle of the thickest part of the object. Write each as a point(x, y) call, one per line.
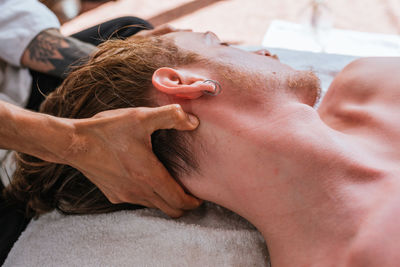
point(168, 189)
point(166, 28)
point(159, 203)
point(169, 196)
point(170, 117)
point(173, 194)
point(160, 30)
point(163, 29)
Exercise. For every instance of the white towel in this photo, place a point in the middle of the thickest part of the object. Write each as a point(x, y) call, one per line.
point(209, 236)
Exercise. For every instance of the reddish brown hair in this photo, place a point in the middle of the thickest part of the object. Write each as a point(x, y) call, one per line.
point(117, 76)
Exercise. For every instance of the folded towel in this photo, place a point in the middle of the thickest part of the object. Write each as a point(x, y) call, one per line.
point(209, 236)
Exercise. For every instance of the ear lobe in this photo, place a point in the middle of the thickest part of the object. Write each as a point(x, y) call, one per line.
point(179, 83)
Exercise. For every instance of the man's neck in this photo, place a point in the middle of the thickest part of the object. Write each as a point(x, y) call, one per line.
point(297, 191)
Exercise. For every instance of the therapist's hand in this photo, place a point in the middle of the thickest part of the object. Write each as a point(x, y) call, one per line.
point(113, 150)
point(158, 31)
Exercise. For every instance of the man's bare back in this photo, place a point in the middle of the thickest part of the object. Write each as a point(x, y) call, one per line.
point(364, 101)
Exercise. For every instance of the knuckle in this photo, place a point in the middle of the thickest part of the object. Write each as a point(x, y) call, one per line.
point(178, 113)
point(140, 115)
point(175, 108)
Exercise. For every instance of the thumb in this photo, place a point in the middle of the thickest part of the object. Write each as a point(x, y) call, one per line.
point(170, 117)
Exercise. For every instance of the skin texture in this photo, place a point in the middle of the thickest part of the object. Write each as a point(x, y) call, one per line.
point(320, 185)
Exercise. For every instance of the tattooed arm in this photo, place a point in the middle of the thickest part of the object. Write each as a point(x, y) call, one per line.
point(52, 53)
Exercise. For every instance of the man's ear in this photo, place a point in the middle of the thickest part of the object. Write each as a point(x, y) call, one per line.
point(180, 83)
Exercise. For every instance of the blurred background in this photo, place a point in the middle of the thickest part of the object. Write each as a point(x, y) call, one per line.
point(243, 22)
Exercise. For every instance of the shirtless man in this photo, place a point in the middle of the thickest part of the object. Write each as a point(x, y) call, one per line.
point(322, 186)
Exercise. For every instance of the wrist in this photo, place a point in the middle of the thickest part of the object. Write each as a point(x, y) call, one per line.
point(53, 144)
point(40, 135)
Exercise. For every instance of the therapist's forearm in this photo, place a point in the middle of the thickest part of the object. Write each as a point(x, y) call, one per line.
point(33, 133)
point(52, 53)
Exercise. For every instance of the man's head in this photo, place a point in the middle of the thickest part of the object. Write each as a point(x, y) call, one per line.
point(244, 75)
point(259, 96)
point(157, 71)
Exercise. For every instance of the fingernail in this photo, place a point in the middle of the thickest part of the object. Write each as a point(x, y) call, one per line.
point(193, 120)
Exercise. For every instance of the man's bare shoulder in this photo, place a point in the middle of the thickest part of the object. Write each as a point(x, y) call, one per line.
point(364, 79)
point(361, 87)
